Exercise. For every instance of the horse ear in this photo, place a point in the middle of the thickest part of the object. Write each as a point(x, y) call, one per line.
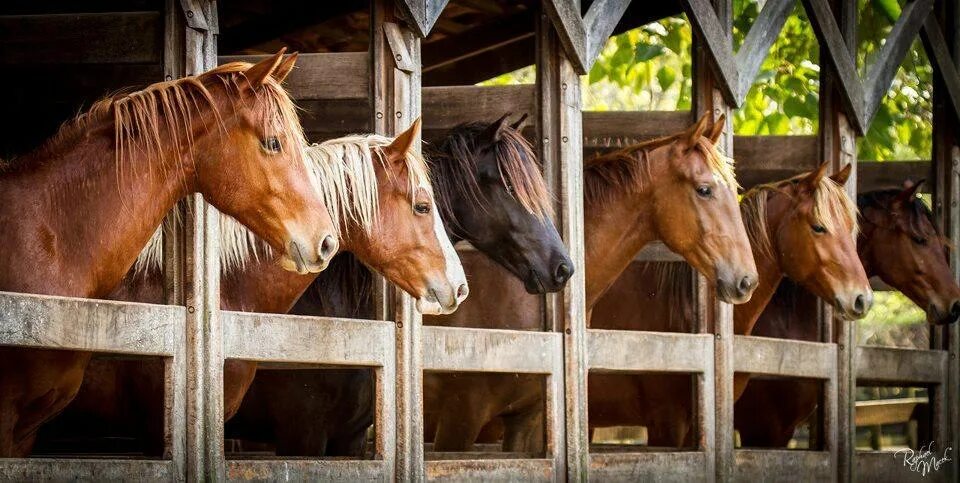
point(283, 70)
point(909, 191)
point(717, 130)
point(404, 142)
point(841, 177)
point(518, 124)
point(492, 133)
point(694, 134)
point(261, 71)
point(812, 180)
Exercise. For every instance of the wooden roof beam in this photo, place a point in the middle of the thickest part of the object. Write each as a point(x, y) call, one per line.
point(936, 46)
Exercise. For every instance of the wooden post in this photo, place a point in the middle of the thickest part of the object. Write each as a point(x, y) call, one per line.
point(201, 242)
point(719, 446)
point(560, 141)
point(395, 54)
point(838, 146)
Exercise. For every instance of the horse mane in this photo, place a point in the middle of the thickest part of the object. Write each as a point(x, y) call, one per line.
point(342, 170)
point(629, 168)
point(344, 289)
point(455, 161)
point(916, 210)
point(831, 208)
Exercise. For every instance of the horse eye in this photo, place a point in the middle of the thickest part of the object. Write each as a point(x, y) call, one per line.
point(271, 144)
point(919, 240)
point(818, 228)
point(704, 191)
point(422, 208)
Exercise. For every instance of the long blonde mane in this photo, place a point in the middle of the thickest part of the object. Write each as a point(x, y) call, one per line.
point(342, 171)
point(832, 208)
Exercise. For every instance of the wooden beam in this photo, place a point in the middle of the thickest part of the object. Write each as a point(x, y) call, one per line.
point(322, 76)
point(478, 40)
point(787, 358)
point(41, 469)
point(432, 12)
point(898, 42)
point(887, 365)
point(612, 129)
point(636, 351)
point(489, 350)
point(415, 12)
point(756, 46)
point(297, 469)
point(599, 22)
point(486, 65)
point(445, 107)
point(565, 15)
point(127, 38)
point(937, 49)
point(782, 465)
point(648, 466)
point(494, 469)
point(716, 39)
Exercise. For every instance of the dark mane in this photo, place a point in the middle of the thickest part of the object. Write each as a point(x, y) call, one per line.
point(344, 289)
point(454, 167)
point(917, 210)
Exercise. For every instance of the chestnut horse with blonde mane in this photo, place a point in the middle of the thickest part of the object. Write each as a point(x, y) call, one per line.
point(678, 189)
point(900, 243)
point(77, 211)
point(799, 228)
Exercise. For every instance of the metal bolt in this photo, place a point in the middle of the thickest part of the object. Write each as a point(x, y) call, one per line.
point(399, 114)
point(399, 57)
point(379, 115)
point(168, 77)
point(718, 336)
point(567, 331)
point(189, 13)
point(841, 346)
point(191, 309)
point(546, 140)
point(563, 86)
point(399, 325)
point(564, 139)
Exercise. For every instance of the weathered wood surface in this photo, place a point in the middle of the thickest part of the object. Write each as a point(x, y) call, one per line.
point(490, 470)
point(445, 107)
point(570, 30)
point(780, 357)
point(320, 340)
point(322, 76)
point(939, 52)
point(306, 470)
point(887, 411)
point(635, 351)
point(599, 22)
point(888, 467)
point(782, 465)
point(887, 365)
point(128, 37)
point(715, 38)
point(488, 350)
point(612, 129)
point(65, 469)
point(756, 45)
point(661, 466)
point(90, 325)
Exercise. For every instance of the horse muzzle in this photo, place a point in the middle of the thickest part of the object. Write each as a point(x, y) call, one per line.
point(855, 306)
point(442, 300)
point(303, 260)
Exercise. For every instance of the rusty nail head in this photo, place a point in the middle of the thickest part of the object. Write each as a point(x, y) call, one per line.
point(379, 115)
point(189, 13)
point(841, 346)
point(191, 309)
point(399, 57)
point(168, 77)
point(399, 114)
point(567, 330)
point(563, 85)
point(399, 325)
point(564, 139)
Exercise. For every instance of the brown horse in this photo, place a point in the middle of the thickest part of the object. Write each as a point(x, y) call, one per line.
point(231, 134)
point(799, 228)
point(678, 189)
point(379, 195)
point(900, 243)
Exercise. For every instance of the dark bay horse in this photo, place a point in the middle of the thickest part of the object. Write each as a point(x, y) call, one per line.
point(799, 228)
point(379, 195)
point(900, 243)
point(678, 189)
point(78, 210)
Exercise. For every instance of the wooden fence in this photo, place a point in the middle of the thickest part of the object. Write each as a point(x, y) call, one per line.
point(382, 88)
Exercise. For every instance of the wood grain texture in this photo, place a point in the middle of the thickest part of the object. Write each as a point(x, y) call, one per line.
point(128, 37)
point(635, 351)
point(887, 364)
point(756, 46)
point(489, 350)
point(323, 76)
point(787, 358)
point(715, 36)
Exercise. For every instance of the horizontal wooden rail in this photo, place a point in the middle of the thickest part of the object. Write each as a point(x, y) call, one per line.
point(490, 350)
point(636, 351)
point(782, 465)
point(315, 340)
point(881, 466)
point(51, 322)
point(82, 38)
point(306, 470)
point(893, 365)
point(781, 357)
point(490, 470)
point(679, 466)
point(323, 76)
point(445, 107)
point(612, 129)
point(64, 469)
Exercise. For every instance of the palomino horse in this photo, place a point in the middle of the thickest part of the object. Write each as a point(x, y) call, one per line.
point(678, 189)
point(77, 211)
point(900, 243)
point(380, 197)
point(799, 228)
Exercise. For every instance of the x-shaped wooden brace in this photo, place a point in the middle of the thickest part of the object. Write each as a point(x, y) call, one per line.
point(422, 14)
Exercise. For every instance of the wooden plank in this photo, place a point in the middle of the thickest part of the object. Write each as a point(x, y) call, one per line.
point(887, 411)
point(888, 466)
point(898, 42)
point(599, 22)
point(79, 38)
point(488, 350)
point(636, 351)
point(319, 340)
point(445, 107)
point(939, 52)
point(565, 16)
point(782, 465)
point(491, 470)
point(305, 470)
point(90, 325)
point(895, 365)
point(715, 38)
point(415, 12)
point(672, 466)
point(781, 357)
point(322, 76)
point(613, 129)
point(756, 46)
point(67, 469)
point(477, 41)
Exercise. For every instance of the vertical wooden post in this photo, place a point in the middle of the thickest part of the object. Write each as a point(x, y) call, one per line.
point(718, 419)
point(838, 146)
point(560, 141)
point(396, 103)
point(946, 159)
point(201, 242)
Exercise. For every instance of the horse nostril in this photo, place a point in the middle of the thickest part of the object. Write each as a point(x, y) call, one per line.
point(562, 273)
point(746, 284)
point(328, 248)
point(462, 291)
point(860, 305)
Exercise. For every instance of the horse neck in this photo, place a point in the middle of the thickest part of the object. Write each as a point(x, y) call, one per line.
point(770, 274)
point(615, 230)
point(93, 223)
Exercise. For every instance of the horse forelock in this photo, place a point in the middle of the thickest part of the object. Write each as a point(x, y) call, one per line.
point(910, 218)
